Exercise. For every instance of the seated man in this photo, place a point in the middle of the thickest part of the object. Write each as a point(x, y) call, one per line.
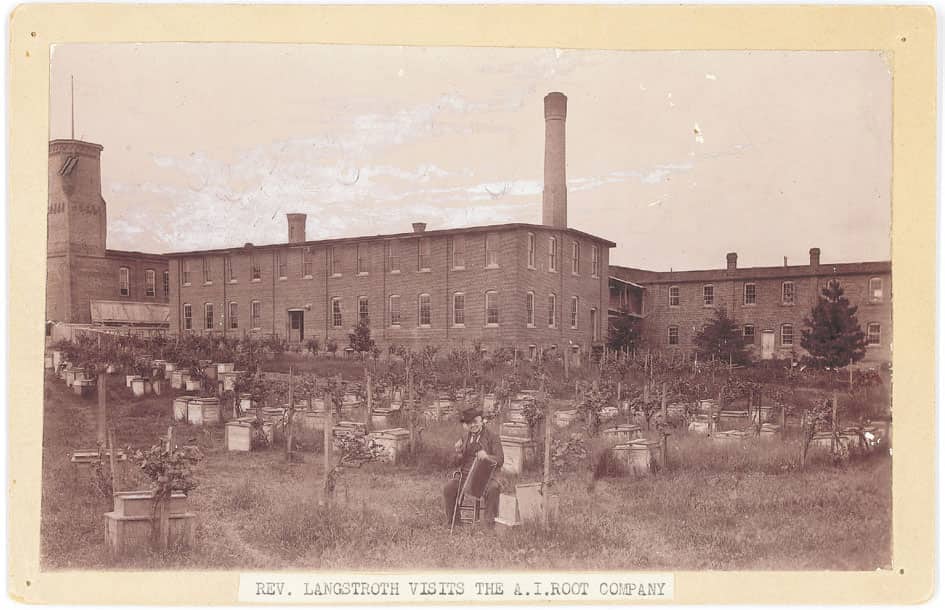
point(477, 441)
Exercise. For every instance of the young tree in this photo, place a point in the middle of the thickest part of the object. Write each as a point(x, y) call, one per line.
point(832, 335)
point(722, 339)
point(625, 333)
point(360, 339)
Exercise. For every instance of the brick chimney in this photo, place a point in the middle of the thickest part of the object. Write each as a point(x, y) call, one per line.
point(554, 197)
point(419, 227)
point(815, 257)
point(731, 260)
point(296, 228)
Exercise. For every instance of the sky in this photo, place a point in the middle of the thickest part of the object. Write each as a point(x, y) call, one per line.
point(678, 157)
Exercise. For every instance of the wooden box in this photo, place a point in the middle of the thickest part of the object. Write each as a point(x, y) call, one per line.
point(238, 436)
point(624, 433)
point(203, 411)
point(133, 535)
point(180, 408)
point(177, 379)
point(395, 441)
point(516, 429)
point(141, 503)
point(518, 453)
point(508, 511)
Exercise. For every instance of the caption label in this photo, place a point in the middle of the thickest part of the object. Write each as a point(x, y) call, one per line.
point(434, 588)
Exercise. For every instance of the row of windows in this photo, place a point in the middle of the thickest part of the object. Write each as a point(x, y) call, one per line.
point(787, 336)
point(424, 312)
point(457, 248)
point(788, 292)
point(124, 282)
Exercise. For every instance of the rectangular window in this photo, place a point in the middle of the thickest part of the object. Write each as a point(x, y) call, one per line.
point(595, 261)
point(207, 270)
point(492, 308)
point(531, 250)
point(673, 336)
point(393, 260)
point(873, 333)
point(552, 310)
point(787, 334)
point(228, 268)
point(749, 294)
point(234, 315)
point(306, 262)
point(363, 313)
point(283, 257)
point(255, 313)
point(423, 254)
point(708, 295)
point(149, 283)
point(167, 283)
point(530, 308)
point(423, 317)
point(395, 310)
point(362, 259)
point(876, 289)
point(748, 333)
point(256, 269)
point(674, 296)
point(492, 250)
point(574, 312)
point(185, 273)
point(552, 254)
point(334, 265)
point(336, 312)
point(459, 309)
point(188, 317)
point(787, 293)
point(575, 257)
point(459, 252)
point(124, 281)
point(208, 316)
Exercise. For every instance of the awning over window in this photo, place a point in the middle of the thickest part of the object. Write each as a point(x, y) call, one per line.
point(130, 313)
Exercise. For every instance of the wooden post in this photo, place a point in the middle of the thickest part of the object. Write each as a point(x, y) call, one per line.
point(851, 374)
point(805, 437)
point(102, 419)
point(329, 423)
point(369, 399)
point(291, 416)
point(663, 401)
point(833, 424)
point(546, 478)
point(411, 415)
point(116, 478)
point(783, 419)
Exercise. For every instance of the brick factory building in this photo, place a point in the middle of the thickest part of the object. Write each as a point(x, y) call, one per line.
point(531, 286)
point(524, 285)
point(85, 282)
point(768, 303)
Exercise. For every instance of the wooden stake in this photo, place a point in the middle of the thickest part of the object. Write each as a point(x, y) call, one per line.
point(116, 478)
point(851, 374)
point(369, 399)
point(663, 401)
point(833, 440)
point(329, 423)
point(546, 478)
point(291, 416)
point(102, 419)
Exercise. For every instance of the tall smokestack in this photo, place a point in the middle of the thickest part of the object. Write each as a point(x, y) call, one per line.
point(554, 197)
point(296, 228)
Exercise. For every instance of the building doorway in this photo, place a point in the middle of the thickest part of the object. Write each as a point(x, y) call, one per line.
point(767, 344)
point(296, 325)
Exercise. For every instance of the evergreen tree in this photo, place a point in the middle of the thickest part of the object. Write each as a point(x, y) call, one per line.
point(624, 332)
point(360, 339)
point(832, 335)
point(721, 338)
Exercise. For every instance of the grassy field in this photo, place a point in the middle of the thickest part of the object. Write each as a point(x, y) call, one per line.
point(715, 507)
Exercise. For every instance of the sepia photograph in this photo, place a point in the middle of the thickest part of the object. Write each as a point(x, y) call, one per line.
point(383, 307)
point(463, 305)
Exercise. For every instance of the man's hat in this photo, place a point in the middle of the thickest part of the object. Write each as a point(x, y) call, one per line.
point(470, 414)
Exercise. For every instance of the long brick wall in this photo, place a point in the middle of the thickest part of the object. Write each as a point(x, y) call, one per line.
point(510, 279)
